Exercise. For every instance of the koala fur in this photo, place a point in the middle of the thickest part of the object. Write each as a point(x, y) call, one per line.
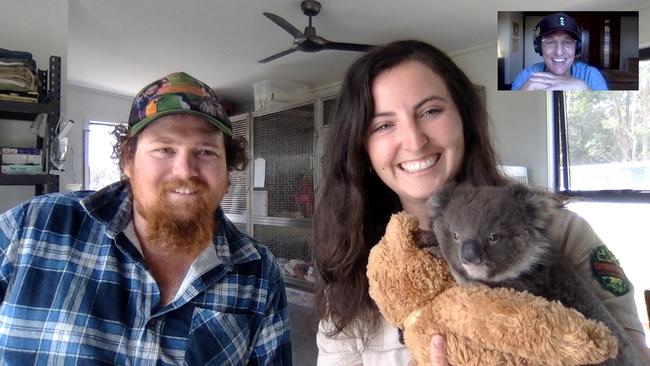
point(496, 236)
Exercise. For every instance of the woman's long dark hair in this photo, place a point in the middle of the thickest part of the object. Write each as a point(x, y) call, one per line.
point(354, 204)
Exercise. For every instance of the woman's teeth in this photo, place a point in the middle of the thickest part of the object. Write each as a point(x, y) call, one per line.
point(416, 166)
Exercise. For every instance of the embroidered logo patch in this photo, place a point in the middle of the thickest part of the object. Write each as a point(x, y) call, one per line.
point(608, 271)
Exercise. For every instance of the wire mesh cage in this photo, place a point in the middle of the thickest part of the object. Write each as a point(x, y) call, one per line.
point(285, 141)
point(286, 241)
point(283, 201)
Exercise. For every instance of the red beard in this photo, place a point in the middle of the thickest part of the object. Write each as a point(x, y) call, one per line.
point(180, 227)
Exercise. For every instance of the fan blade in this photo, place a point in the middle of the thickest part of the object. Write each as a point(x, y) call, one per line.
point(342, 46)
point(284, 24)
point(277, 55)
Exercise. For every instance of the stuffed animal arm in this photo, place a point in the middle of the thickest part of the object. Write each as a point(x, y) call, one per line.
point(415, 291)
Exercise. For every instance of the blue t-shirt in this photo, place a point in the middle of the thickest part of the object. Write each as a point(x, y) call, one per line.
point(580, 70)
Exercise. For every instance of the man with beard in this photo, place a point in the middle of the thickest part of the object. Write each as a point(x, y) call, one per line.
point(147, 270)
point(558, 39)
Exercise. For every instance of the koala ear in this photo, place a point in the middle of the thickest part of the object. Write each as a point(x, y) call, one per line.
point(440, 199)
point(539, 204)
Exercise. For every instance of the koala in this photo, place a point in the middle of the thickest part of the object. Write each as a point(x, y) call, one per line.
point(496, 236)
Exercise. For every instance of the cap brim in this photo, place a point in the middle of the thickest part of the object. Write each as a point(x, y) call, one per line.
point(570, 31)
point(145, 121)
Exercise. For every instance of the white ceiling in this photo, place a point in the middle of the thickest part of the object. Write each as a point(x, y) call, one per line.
point(119, 46)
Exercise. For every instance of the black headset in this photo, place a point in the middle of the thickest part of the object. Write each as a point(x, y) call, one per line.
point(537, 40)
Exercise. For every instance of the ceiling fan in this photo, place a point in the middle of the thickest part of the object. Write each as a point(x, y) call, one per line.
point(308, 41)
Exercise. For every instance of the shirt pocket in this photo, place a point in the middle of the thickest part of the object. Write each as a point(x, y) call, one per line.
point(218, 338)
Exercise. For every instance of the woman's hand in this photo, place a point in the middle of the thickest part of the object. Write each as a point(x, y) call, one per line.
point(438, 351)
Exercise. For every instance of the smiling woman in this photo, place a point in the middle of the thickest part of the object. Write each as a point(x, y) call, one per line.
point(415, 139)
point(407, 120)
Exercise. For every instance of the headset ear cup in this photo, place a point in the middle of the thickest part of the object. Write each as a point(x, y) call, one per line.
point(579, 41)
point(537, 47)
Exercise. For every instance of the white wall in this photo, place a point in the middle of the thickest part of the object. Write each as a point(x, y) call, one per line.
point(36, 26)
point(88, 104)
point(644, 27)
point(518, 119)
point(530, 56)
point(41, 28)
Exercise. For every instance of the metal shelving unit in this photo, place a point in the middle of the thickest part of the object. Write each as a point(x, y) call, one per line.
point(50, 103)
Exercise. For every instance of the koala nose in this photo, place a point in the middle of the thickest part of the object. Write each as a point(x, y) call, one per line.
point(471, 252)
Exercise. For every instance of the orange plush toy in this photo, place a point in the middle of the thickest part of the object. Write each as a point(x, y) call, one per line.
point(415, 292)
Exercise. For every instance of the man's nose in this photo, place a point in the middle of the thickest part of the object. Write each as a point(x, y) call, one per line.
point(185, 165)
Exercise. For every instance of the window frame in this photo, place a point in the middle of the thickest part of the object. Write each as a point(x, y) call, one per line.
point(86, 149)
point(561, 160)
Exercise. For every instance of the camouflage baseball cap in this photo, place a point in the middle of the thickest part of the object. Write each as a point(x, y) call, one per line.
point(177, 93)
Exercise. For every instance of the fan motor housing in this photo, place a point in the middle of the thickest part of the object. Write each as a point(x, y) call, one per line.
point(310, 8)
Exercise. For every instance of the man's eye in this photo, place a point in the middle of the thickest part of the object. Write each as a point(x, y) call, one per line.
point(164, 150)
point(207, 154)
point(455, 236)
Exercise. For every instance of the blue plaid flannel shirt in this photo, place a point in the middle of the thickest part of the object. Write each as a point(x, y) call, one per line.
point(75, 291)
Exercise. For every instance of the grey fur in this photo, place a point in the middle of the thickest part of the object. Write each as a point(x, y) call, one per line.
point(463, 218)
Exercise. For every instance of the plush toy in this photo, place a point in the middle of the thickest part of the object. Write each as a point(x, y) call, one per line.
point(415, 291)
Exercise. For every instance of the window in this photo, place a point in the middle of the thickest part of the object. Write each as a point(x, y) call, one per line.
point(602, 149)
point(100, 170)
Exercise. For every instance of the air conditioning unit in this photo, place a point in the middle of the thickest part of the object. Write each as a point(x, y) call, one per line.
point(516, 173)
point(274, 93)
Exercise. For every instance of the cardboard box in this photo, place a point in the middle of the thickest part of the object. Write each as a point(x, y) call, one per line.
point(28, 159)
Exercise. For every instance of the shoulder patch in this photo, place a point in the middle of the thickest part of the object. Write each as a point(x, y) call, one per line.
point(607, 270)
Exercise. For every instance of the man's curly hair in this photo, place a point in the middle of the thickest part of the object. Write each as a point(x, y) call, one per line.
point(126, 145)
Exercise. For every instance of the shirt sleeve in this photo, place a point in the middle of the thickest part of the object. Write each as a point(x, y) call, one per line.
point(580, 243)
point(8, 225)
point(273, 346)
point(520, 80)
point(596, 81)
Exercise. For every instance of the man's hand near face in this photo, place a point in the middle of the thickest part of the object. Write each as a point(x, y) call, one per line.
point(550, 81)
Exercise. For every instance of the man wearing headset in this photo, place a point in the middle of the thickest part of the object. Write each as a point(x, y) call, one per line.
point(558, 40)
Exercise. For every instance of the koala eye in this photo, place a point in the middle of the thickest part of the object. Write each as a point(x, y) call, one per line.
point(456, 236)
point(494, 237)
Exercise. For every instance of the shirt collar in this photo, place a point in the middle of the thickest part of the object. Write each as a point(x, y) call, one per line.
point(111, 206)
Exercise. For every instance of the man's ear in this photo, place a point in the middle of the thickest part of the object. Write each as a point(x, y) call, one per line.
point(128, 168)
